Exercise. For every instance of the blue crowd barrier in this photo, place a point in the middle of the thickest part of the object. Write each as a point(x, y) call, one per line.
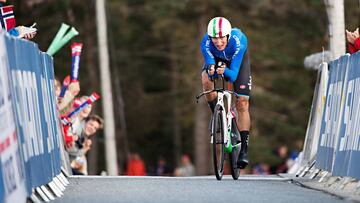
point(348, 149)
point(31, 78)
point(330, 120)
point(339, 141)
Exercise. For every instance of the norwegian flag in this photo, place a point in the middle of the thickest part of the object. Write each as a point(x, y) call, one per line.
point(7, 17)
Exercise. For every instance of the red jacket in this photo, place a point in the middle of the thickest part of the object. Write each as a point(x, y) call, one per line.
point(67, 135)
point(136, 168)
point(354, 47)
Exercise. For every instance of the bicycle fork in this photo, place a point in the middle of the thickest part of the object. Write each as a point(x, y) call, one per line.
point(227, 138)
point(226, 121)
point(227, 118)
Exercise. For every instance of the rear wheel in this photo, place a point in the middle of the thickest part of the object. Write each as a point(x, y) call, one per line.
point(235, 137)
point(218, 142)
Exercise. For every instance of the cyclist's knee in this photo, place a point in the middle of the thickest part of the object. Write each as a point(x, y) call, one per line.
point(208, 85)
point(242, 104)
point(205, 81)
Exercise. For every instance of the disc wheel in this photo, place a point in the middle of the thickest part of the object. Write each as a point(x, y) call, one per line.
point(218, 143)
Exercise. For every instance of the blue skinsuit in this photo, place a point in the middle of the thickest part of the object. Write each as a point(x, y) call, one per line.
point(233, 52)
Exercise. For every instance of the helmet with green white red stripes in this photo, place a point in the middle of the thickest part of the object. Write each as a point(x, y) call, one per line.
point(219, 27)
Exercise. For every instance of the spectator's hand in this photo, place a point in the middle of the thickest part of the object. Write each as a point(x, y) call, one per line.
point(29, 36)
point(77, 163)
point(74, 88)
point(349, 36)
point(87, 146)
point(356, 33)
point(88, 143)
point(26, 33)
point(75, 137)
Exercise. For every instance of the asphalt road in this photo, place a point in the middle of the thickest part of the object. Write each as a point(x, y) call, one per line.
point(103, 189)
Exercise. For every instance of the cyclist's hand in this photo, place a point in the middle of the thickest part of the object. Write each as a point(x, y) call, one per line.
point(221, 69)
point(211, 70)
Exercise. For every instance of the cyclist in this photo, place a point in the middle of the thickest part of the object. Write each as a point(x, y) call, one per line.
point(229, 46)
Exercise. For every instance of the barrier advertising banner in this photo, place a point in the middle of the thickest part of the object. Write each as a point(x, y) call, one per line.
point(330, 124)
point(10, 47)
point(39, 99)
point(27, 111)
point(32, 81)
point(348, 147)
point(52, 121)
point(12, 172)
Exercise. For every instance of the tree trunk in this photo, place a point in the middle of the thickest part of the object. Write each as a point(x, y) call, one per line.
point(110, 142)
point(335, 11)
point(201, 132)
point(176, 117)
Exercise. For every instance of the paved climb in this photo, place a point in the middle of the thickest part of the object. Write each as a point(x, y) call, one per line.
point(249, 188)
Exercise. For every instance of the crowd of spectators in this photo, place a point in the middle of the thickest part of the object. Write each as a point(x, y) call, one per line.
point(81, 126)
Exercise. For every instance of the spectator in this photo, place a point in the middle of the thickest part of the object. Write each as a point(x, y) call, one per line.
point(162, 168)
point(77, 165)
point(135, 165)
point(57, 88)
point(73, 131)
point(83, 144)
point(282, 156)
point(19, 31)
point(90, 127)
point(261, 169)
point(65, 104)
point(79, 121)
point(186, 168)
point(353, 39)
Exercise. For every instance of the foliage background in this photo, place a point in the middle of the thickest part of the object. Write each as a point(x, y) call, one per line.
point(156, 61)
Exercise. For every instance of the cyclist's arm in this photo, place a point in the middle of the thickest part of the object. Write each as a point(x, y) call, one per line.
point(205, 50)
point(237, 58)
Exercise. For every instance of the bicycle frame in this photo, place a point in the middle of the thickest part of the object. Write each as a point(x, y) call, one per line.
point(229, 115)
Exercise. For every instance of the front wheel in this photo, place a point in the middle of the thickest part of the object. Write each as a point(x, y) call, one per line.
point(218, 142)
point(235, 137)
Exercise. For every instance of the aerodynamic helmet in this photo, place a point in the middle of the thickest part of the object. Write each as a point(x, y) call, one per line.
point(219, 27)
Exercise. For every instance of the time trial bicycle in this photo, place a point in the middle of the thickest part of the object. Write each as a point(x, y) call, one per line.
point(225, 136)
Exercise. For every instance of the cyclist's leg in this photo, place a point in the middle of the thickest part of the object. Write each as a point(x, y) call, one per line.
point(208, 85)
point(242, 87)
